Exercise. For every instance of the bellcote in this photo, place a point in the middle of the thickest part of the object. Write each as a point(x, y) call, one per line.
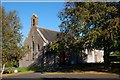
point(34, 20)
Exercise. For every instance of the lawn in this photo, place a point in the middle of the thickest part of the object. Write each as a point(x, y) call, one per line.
point(98, 67)
point(10, 70)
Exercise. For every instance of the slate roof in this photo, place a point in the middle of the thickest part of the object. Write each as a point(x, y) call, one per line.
point(50, 35)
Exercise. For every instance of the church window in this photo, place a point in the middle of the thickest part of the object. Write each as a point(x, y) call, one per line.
point(33, 45)
point(33, 22)
point(38, 48)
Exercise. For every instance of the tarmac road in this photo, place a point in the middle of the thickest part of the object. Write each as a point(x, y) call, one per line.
point(40, 76)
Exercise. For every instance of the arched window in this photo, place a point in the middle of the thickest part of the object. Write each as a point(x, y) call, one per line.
point(33, 45)
point(33, 22)
point(38, 48)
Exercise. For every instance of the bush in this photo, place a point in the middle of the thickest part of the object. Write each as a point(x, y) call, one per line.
point(9, 70)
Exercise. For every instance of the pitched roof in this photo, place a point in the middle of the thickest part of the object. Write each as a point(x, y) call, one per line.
point(50, 35)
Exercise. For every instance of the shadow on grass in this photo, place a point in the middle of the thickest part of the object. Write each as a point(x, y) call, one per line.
point(98, 67)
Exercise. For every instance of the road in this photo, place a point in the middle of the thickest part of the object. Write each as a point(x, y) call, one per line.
point(44, 76)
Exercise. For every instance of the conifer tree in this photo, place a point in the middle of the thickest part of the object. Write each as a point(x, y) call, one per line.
point(97, 24)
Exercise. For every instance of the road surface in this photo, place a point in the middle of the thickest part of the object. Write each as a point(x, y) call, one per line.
point(45, 76)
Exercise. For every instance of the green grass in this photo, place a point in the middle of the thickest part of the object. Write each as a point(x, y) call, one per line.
point(23, 69)
point(10, 70)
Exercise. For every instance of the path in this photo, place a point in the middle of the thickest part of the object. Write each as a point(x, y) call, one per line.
point(45, 76)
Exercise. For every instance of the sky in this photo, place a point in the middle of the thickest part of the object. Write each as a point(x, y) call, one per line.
point(47, 14)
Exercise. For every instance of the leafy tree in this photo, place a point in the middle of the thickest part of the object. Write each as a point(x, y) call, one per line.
point(96, 24)
point(65, 46)
point(0, 39)
point(12, 49)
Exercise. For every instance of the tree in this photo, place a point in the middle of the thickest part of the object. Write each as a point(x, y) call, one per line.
point(96, 24)
point(12, 49)
point(65, 47)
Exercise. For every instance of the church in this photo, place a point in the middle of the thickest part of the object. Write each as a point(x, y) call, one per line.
point(38, 38)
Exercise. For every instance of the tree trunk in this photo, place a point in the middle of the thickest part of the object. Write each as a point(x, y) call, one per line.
point(106, 57)
point(3, 68)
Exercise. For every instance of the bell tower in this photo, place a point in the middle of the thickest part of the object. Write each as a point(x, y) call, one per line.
point(34, 20)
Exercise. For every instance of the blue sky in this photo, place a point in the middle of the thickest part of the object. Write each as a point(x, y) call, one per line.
point(46, 11)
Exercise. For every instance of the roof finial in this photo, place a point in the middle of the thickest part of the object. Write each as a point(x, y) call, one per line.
point(35, 15)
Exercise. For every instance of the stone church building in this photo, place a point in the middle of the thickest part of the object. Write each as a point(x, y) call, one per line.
point(38, 38)
point(35, 41)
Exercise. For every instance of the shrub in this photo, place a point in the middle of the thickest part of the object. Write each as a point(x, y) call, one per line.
point(9, 70)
